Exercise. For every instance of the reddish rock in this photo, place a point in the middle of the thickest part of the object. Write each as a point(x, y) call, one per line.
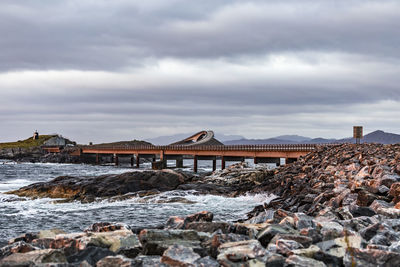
point(395, 192)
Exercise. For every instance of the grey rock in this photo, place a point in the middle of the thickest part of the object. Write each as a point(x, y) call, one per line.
point(313, 233)
point(206, 262)
point(284, 246)
point(218, 238)
point(330, 229)
point(358, 211)
point(17, 247)
point(144, 261)
point(338, 247)
point(156, 241)
point(262, 217)
point(299, 261)
point(178, 255)
point(91, 255)
point(303, 221)
point(385, 238)
point(371, 258)
point(34, 257)
point(268, 233)
point(116, 261)
point(395, 247)
point(239, 253)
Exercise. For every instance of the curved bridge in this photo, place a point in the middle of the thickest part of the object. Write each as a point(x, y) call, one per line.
point(160, 154)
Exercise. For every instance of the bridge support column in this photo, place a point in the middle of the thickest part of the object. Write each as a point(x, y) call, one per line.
point(179, 162)
point(195, 163)
point(137, 161)
point(214, 164)
point(98, 159)
point(290, 160)
point(223, 163)
point(116, 160)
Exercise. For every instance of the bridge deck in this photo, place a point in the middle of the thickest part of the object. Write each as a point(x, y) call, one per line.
point(231, 152)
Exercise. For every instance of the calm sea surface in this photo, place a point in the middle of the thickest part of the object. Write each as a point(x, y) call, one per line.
point(21, 215)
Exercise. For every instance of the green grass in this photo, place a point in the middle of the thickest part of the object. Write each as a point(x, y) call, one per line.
point(27, 143)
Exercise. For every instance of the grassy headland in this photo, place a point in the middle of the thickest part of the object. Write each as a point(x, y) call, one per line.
point(27, 143)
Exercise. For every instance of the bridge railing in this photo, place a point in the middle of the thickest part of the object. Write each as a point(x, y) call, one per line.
point(279, 147)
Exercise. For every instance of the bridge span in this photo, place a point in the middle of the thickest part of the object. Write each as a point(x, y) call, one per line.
point(160, 154)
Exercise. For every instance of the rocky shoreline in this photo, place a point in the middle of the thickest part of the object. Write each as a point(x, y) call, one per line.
point(37, 154)
point(337, 206)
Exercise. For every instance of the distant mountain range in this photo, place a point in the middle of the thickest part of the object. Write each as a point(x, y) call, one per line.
point(374, 137)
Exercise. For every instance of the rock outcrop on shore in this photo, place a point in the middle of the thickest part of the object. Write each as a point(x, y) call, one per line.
point(235, 180)
point(337, 206)
point(89, 188)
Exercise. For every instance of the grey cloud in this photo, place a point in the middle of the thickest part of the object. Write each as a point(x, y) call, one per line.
point(255, 68)
point(114, 35)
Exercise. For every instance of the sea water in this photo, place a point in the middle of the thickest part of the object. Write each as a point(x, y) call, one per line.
point(20, 215)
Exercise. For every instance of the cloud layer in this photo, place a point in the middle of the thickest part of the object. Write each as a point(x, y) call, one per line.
point(101, 71)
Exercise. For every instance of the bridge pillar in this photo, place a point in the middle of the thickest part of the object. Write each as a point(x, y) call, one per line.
point(132, 160)
point(214, 164)
point(116, 160)
point(195, 163)
point(179, 162)
point(98, 159)
point(290, 160)
point(222, 162)
point(137, 161)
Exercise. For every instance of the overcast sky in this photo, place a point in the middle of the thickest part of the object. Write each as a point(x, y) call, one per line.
point(100, 70)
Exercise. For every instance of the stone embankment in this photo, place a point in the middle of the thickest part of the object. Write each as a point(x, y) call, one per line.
point(338, 206)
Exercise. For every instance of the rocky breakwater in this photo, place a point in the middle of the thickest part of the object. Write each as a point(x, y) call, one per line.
point(88, 189)
point(345, 200)
point(237, 179)
point(195, 240)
